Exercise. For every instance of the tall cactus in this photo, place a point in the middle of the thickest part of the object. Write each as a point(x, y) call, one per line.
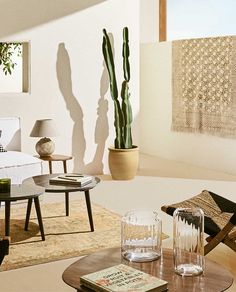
point(122, 113)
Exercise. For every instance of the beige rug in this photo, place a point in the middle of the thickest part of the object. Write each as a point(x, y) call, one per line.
point(65, 236)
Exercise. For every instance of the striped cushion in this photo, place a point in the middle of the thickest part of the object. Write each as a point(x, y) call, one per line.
point(2, 149)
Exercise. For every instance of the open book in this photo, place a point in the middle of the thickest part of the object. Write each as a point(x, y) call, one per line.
point(71, 179)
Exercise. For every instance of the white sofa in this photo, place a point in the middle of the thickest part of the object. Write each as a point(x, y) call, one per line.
point(15, 164)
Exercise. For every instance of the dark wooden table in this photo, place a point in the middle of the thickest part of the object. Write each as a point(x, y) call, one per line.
point(215, 278)
point(22, 192)
point(43, 181)
point(56, 157)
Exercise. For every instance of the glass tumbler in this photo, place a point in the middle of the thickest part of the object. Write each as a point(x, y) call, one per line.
point(5, 185)
point(188, 244)
point(141, 236)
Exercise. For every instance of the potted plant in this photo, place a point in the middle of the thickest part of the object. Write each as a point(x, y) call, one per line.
point(123, 157)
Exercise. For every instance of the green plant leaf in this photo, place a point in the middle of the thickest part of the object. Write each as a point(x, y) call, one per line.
point(7, 51)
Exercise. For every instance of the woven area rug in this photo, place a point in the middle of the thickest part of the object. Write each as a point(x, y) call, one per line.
point(66, 236)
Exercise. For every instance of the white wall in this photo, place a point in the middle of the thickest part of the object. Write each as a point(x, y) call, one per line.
point(68, 80)
point(149, 21)
point(156, 109)
point(69, 84)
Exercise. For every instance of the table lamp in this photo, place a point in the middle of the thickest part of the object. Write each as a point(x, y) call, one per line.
point(44, 128)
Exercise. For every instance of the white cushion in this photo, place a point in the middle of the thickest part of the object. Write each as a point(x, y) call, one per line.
point(19, 166)
point(11, 135)
point(15, 158)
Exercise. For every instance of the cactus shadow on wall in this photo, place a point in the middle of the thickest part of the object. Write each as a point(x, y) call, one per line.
point(75, 110)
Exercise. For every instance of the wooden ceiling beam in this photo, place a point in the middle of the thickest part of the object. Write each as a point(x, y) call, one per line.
point(162, 20)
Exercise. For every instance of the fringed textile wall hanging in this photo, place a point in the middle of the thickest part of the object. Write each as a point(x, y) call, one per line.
point(204, 86)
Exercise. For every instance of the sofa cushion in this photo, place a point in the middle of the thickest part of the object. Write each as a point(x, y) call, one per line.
point(10, 133)
point(16, 158)
point(2, 148)
point(19, 166)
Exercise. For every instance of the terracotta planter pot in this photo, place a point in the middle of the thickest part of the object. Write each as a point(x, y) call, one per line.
point(123, 163)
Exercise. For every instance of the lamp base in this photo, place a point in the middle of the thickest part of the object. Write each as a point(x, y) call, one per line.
point(45, 147)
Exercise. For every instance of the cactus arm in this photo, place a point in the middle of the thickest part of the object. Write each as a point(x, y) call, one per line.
point(127, 111)
point(118, 117)
point(126, 107)
point(109, 60)
point(125, 54)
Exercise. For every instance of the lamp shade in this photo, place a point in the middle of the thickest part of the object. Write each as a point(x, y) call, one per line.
point(44, 128)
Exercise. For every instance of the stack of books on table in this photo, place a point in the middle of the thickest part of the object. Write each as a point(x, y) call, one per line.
point(71, 179)
point(123, 278)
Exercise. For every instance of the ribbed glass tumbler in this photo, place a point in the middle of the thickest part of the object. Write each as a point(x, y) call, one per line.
point(141, 236)
point(188, 244)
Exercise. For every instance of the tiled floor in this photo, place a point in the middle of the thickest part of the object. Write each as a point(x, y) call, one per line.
point(158, 182)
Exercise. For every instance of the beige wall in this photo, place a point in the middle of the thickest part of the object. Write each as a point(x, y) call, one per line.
point(149, 24)
point(156, 109)
point(68, 80)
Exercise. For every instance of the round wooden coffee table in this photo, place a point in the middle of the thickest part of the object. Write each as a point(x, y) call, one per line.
point(216, 278)
point(43, 181)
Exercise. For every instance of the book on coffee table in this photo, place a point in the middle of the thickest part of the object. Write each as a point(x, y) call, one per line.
point(123, 278)
point(75, 180)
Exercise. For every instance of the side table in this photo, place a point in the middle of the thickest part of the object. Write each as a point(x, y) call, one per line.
point(55, 157)
point(63, 158)
point(23, 192)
